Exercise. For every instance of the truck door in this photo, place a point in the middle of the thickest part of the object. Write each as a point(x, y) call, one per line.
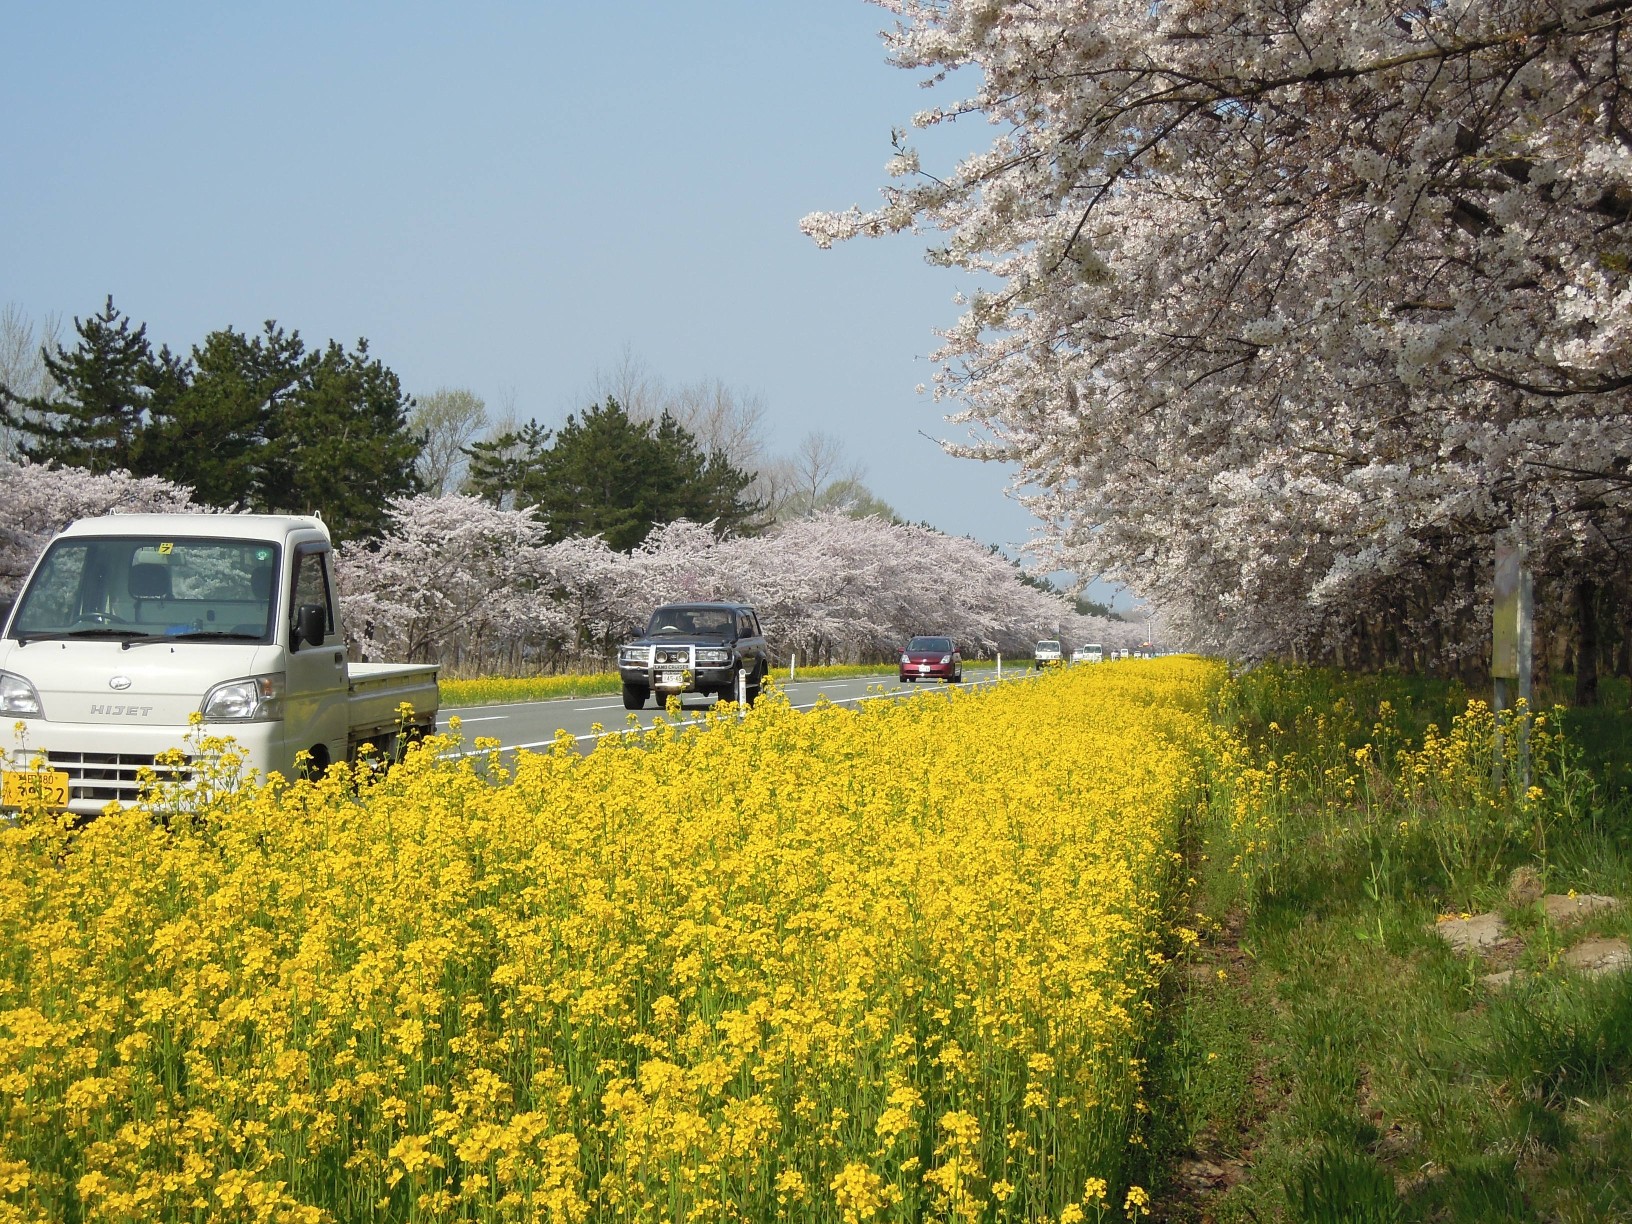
point(315, 703)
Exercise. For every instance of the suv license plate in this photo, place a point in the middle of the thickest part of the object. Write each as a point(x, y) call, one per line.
point(671, 679)
point(34, 788)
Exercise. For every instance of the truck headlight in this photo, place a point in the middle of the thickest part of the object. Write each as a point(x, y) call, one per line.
point(252, 699)
point(714, 657)
point(18, 698)
point(634, 656)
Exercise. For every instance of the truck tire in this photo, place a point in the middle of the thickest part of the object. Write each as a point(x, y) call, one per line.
point(634, 697)
point(751, 687)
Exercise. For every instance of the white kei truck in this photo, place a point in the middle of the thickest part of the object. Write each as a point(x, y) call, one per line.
point(130, 625)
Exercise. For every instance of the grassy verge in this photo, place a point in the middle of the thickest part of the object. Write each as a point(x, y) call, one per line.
point(1327, 1055)
point(498, 690)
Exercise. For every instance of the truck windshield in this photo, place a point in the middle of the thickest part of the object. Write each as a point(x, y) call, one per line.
point(149, 587)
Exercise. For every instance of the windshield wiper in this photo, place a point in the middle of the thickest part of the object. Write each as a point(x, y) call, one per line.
point(222, 635)
point(25, 636)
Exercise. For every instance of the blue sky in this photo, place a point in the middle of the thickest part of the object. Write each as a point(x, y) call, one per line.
point(504, 197)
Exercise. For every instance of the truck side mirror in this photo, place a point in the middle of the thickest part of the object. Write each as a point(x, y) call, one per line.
point(310, 625)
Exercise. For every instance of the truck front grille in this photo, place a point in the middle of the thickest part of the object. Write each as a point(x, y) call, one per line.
point(111, 775)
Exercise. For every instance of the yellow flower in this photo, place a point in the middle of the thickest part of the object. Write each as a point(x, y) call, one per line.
point(673, 960)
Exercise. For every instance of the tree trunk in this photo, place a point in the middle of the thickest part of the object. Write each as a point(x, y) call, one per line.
point(1586, 655)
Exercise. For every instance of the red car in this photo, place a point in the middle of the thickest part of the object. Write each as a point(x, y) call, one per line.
point(932, 658)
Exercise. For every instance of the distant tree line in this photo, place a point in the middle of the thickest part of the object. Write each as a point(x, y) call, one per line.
point(262, 422)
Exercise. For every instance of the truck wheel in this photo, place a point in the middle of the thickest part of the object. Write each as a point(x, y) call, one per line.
point(634, 697)
point(751, 688)
point(317, 762)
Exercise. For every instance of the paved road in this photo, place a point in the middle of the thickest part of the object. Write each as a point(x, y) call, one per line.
point(533, 724)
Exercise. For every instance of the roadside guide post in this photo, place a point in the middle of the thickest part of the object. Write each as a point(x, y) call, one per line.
point(1000, 665)
point(793, 662)
point(1512, 619)
point(742, 693)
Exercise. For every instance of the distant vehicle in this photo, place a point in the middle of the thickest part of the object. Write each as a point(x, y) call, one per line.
point(695, 648)
point(1116, 655)
point(1049, 653)
point(932, 658)
point(1091, 653)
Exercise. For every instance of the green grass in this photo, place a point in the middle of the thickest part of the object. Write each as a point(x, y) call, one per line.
point(1326, 1039)
point(1603, 733)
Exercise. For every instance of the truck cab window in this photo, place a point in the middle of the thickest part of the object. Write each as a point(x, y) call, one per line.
point(312, 586)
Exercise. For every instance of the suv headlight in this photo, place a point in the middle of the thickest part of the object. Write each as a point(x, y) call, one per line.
point(634, 656)
point(18, 698)
point(714, 656)
point(252, 699)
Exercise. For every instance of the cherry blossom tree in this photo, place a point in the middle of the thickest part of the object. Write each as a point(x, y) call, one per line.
point(451, 576)
point(458, 580)
point(1289, 309)
point(461, 581)
point(38, 500)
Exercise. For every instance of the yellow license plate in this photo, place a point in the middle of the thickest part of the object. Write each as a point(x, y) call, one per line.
point(34, 788)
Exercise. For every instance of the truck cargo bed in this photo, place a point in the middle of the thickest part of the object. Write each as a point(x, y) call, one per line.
point(377, 689)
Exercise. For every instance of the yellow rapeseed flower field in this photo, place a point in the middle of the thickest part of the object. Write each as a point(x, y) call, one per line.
point(836, 966)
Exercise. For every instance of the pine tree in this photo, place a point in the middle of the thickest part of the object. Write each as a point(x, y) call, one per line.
point(504, 470)
point(602, 477)
point(610, 475)
point(338, 443)
point(104, 387)
point(210, 431)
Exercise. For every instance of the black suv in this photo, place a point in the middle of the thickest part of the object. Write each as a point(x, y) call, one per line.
point(694, 648)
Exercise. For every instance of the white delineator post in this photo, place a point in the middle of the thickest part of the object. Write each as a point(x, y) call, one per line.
point(1000, 665)
point(742, 691)
point(1512, 620)
point(793, 663)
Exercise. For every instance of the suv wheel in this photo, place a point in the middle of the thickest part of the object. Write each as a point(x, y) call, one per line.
point(751, 685)
point(634, 696)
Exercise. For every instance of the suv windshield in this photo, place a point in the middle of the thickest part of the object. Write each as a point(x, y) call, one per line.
point(714, 622)
point(138, 587)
